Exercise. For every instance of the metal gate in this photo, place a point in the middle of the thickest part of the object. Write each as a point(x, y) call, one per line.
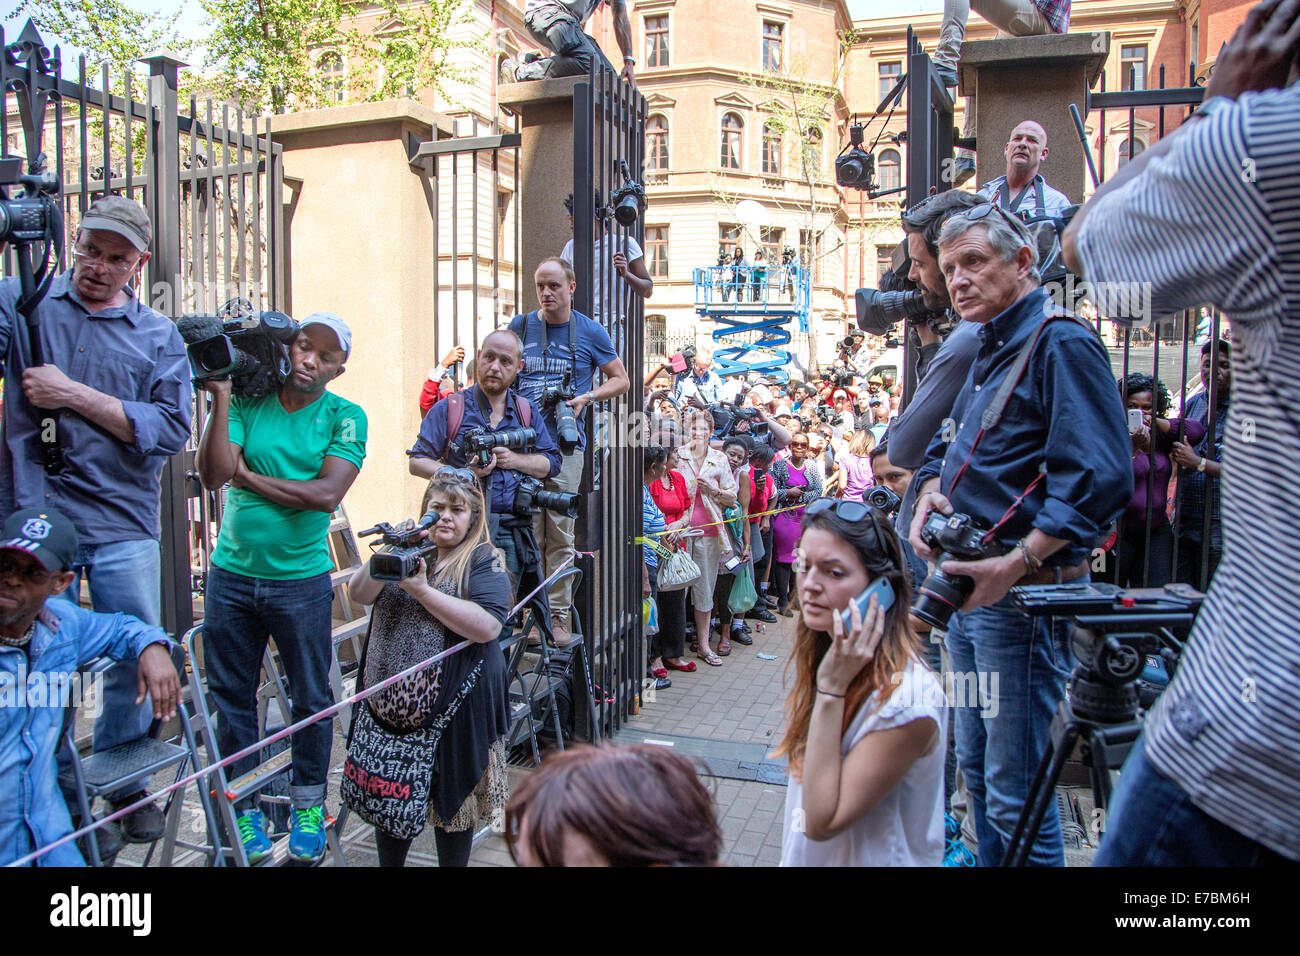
point(211, 183)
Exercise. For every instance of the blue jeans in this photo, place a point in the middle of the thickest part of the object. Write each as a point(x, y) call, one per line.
point(241, 613)
point(1153, 822)
point(124, 576)
point(999, 751)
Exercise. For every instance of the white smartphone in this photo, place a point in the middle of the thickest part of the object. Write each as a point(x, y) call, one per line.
point(1134, 420)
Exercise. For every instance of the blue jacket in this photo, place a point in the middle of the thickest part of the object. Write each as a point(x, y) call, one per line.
point(32, 809)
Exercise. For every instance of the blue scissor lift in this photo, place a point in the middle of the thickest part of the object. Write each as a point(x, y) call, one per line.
point(752, 317)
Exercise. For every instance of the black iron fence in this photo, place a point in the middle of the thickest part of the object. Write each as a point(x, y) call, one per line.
point(211, 181)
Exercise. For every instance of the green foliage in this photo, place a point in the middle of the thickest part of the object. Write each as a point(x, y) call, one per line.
point(108, 31)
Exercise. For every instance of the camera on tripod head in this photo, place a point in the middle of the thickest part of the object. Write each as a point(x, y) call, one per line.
point(479, 442)
point(31, 216)
point(402, 548)
point(854, 166)
point(884, 499)
point(531, 497)
point(249, 347)
point(566, 423)
point(956, 537)
point(787, 255)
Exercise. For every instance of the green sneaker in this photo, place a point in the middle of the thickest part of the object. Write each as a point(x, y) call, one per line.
point(307, 835)
point(253, 829)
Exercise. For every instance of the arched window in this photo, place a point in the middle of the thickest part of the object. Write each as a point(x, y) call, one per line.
point(656, 135)
point(330, 69)
point(889, 169)
point(1129, 148)
point(733, 134)
point(771, 149)
point(813, 152)
point(401, 59)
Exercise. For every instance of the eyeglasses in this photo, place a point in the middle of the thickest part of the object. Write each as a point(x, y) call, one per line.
point(31, 573)
point(119, 265)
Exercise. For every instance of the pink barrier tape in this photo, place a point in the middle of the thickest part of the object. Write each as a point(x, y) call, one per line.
point(280, 734)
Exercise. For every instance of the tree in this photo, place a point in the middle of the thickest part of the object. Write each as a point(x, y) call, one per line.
point(108, 32)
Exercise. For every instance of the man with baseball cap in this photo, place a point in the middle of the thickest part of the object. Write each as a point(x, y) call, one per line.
point(289, 458)
point(42, 645)
point(114, 393)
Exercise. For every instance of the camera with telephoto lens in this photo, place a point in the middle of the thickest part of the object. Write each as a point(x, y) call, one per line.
point(955, 537)
point(479, 442)
point(828, 415)
point(249, 347)
point(402, 549)
point(566, 424)
point(627, 203)
point(531, 496)
point(884, 499)
point(838, 377)
point(854, 166)
point(27, 218)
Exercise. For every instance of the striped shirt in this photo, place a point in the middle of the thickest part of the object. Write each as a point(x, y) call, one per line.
point(1216, 221)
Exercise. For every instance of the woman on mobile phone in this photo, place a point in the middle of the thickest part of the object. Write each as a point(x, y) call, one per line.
point(460, 592)
point(865, 719)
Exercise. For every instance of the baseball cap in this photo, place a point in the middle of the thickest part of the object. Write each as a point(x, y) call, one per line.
point(126, 217)
point(839, 393)
point(875, 380)
point(335, 325)
point(46, 534)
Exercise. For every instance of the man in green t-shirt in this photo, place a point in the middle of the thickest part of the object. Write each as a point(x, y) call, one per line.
point(289, 458)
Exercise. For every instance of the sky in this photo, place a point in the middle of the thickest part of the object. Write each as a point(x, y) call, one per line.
point(859, 9)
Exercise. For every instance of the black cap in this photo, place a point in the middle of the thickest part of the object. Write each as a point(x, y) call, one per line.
point(44, 533)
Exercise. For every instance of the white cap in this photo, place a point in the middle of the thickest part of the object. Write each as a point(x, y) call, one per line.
point(335, 325)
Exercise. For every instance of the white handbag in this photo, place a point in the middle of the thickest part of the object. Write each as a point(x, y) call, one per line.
point(677, 571)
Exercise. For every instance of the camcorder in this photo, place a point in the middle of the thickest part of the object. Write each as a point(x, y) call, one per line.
point(627, 203)
point(401, 548)
point(566, 423)
point(838, 377)
point(956, 537)
point(855, 167)
point(681, 362)
point(828, 415)
point(531, 497)
point(479, 442)
point(30, 217)
point(787, 256)
point(884, 499)
point(249, 347)
point(727, 416)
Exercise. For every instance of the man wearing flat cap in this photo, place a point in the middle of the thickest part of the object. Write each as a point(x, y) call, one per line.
point(289, 458)
point(114, 392)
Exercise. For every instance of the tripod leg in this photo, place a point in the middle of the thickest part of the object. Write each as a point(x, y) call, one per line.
point(1041, 793)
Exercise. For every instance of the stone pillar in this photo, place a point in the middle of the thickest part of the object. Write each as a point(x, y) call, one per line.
point(1033, 78)
point(361, 221)
point(545, 109)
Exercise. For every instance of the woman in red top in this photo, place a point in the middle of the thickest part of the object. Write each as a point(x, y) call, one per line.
point(669, 493)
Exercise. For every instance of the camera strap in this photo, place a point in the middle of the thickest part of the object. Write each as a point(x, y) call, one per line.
point(1012, 205)
point(519, 326)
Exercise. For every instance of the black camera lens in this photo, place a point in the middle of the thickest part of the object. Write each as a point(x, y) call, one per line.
point(879, 311)
point(884, 499)
point(940, 594)
point(627, 210)
point(564, 503)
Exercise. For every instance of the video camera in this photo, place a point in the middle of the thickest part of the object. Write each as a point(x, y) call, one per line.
point(566, 424)
point(838, 377)
point(854, 166)
point(956, 537)
point(727, 416)
point(402, 549)
point(479, 442)
point(682, 361)
point(32, 216)
point(248, 347)
point(788, 255)
point(531, 496)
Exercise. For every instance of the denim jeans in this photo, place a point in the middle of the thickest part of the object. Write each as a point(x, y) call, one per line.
point(241, 613)
point(1153, 822)
point(124, 576)
point(998, 748)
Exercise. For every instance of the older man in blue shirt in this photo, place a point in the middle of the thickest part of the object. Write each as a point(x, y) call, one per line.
point(43, 643)
point(115, 392)
point(1048, 477)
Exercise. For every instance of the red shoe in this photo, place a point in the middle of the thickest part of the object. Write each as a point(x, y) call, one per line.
point(688, 666)
point(660, 672)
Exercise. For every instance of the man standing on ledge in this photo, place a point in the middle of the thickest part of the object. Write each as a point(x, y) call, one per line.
point(557, 26)
point(1023, 190)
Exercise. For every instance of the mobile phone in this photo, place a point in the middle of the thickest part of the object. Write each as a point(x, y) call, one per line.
point(1134, 420)
point(884, 595)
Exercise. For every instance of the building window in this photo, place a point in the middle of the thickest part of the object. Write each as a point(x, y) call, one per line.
point(771, 149)
point(330, 69)
point(733, 131)
point(773, 37)
point(771, 239)
point(889, 75)
point(889, 169)
point(728, 239)
point(656, 41)
point(656, 251)
point(1129, 148)
point(656, 134)
point(812, 150)
point(1196, 50)
point(1133, 67)
point(656, 336)
point(884, 260)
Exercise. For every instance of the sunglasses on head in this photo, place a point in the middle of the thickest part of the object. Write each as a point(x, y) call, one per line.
point(986, 209)
point(463, 475)
point(851, 511)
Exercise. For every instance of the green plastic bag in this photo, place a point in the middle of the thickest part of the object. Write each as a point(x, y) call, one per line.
point(743, 596)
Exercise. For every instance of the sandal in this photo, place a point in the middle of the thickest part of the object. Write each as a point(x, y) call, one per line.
point(724, 648)
point(687, 666)
point(711, 659)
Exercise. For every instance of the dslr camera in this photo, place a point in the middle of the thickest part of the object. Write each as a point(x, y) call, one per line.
point(249, 347)
point(627, 203)
point(884, 499)
point(897, 300)
point(401, 551)
point(956, 537)
point(531, 496)
point(479, 442)
point(854, 166)
point(566, 424)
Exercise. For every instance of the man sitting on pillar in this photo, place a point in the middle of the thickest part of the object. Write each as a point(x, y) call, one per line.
point(1023, 191)
point(1013, 18)
point(557, 26)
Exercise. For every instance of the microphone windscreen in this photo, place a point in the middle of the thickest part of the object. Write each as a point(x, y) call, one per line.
point(197, 327)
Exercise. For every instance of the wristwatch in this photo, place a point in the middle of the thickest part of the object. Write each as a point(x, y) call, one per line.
point(1201, 465)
